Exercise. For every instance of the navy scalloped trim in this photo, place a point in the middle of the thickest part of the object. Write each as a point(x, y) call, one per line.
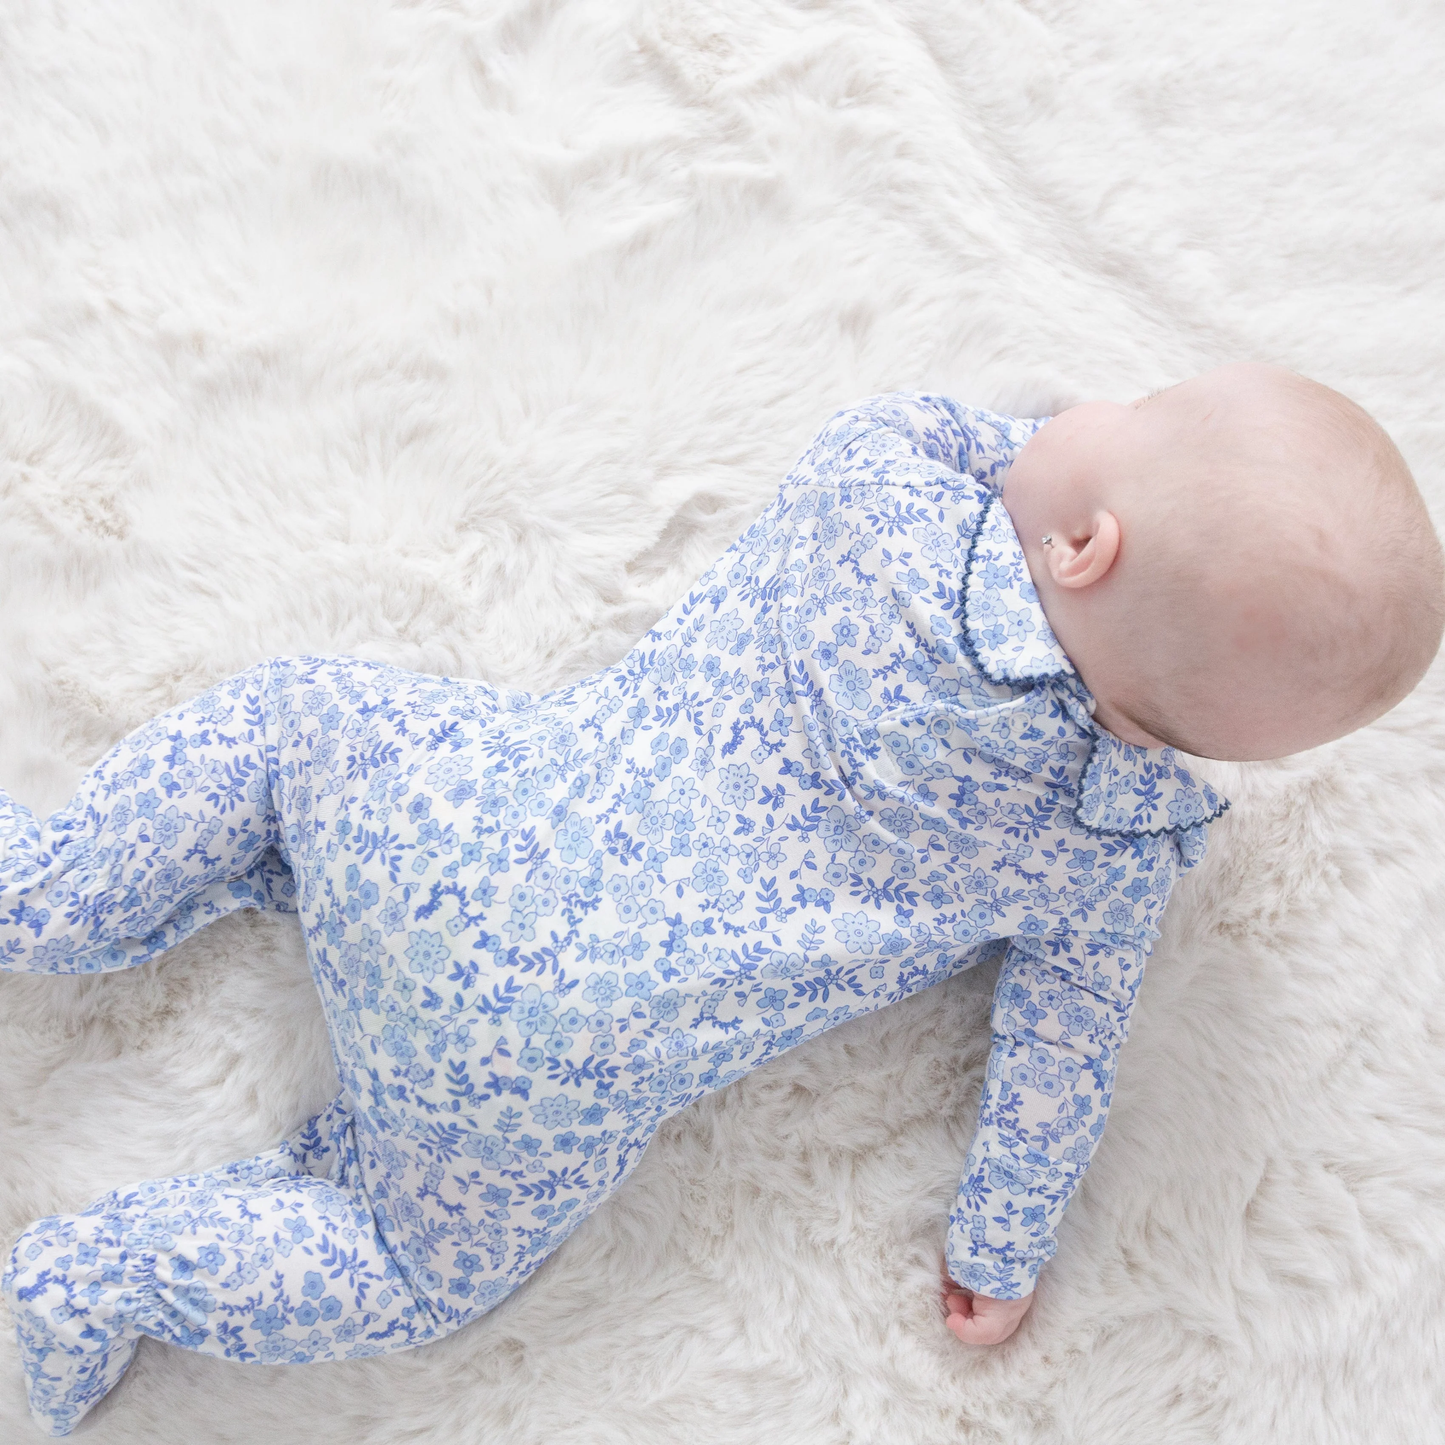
point(998, 680)
point(1089, 763)
point(1030, 683)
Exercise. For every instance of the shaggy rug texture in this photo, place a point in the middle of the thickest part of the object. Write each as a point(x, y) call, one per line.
point(462, 334)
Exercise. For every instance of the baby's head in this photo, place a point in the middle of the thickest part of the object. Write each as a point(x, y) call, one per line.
point(1240, 566)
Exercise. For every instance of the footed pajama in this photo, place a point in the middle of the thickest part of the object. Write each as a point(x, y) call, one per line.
point(852, 762)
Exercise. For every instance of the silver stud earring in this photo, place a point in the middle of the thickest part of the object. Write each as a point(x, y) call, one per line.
point(1049, 540)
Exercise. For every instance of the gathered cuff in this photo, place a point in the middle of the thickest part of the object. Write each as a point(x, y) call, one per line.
point(987, 1272)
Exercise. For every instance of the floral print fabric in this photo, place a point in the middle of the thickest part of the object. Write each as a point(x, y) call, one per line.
point(850, 764)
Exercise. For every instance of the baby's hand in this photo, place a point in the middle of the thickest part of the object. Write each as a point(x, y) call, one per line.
point(977, 1319)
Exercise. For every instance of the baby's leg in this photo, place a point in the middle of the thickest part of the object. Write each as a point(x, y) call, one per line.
point(278, 1259)
point(174, 827)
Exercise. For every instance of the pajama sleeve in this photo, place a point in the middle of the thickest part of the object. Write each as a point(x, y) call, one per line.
point(1060, 1016)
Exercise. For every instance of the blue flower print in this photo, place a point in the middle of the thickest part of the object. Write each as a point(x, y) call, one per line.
point(448, 771)
point(737, 784)
point(428, 953)
point(664, 1007)
point(920, 667)
point(681, 797)
point(299, 1229)
point(1183, 807)
point(937, 545)
point(397, 1043)
point(852, 762)
point(556, 1112)
point(534, 1012)
point(1076, 1018)
point(1118, 916)
point(602, 989)
point(857, 932)
point(783, 965)
point(723, 631)
point(52, 954)
point(491, 1150)
point(851, 685)
point(709, 877)
point(208, 1258)
point(839, 830)
point(393, 916)
point(574, 838)
point(268, 1320)
point(640, 985)
point(526, 906)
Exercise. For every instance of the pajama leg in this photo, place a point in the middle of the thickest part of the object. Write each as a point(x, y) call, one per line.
point(174, 827)
point(277, 1259)
point(315, 1250)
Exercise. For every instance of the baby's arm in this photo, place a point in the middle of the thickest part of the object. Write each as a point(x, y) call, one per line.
point(1060, 1015)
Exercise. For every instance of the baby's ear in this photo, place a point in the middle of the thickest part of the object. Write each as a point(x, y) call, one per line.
point(1082, 559)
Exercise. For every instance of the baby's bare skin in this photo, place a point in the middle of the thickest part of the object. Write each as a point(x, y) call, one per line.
point(978, 1319)
point(1240, 567)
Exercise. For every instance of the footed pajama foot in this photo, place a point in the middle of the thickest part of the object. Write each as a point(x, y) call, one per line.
point(70, 1364)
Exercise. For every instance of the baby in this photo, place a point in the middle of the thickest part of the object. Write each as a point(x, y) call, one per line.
point(923, 713)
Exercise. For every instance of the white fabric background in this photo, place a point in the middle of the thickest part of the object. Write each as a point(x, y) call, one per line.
point(463, 335)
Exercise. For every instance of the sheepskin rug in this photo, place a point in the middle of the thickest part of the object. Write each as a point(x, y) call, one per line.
point(462, 334)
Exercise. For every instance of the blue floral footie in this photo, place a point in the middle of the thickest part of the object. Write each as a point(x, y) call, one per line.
point(851, 763)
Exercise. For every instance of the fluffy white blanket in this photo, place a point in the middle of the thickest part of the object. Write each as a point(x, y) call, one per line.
point(462, 335)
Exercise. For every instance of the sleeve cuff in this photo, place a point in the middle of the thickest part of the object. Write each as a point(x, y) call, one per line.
point(1000, 1276)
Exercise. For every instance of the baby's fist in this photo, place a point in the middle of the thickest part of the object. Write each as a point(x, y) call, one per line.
point(978, 1319)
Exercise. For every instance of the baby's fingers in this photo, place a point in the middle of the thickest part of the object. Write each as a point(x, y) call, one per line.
point(978, 1319)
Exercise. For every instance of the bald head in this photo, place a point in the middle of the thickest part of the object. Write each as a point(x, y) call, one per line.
point(1242, 565)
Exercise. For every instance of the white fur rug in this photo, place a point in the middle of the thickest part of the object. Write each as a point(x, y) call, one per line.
point(463, 335)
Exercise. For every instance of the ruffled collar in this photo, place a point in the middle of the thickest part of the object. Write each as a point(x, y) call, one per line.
point(1124, 790)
